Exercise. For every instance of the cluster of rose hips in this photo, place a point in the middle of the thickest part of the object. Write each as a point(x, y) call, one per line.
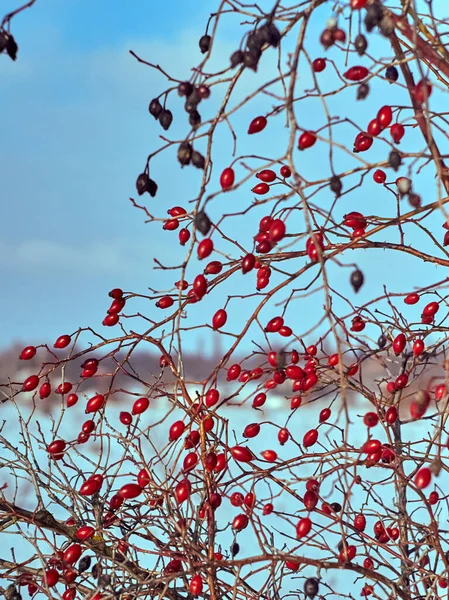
point(61, 568)
point(193, 95)
point(117, 305)
point(89, 369)
point(267, 34)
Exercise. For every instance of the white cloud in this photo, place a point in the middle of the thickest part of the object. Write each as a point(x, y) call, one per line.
point(101, 257)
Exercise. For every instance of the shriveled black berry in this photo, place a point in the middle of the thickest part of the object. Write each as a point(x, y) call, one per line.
point(236, 58)
point(382, 341)
point(251, 59)
point(391, 74)
point(194, 118)
point(198, 160)
point(356, 280)
point(327, 39)
point(386, 26)
point(235, 549)
point(145, 184)
point(15, 596)
point(141, 183)
point(336, 506)
point(311, 587)
point(202, 222)
point(192, 102)
point(185, 153)
point(84, 563)
point(361, 44)
point(263, 34)
point(11, 47)
point(203, 92)
point(96, 570)
point(204, 43)
point(394, 160)
point(362, 91)
point(152, 188)
point(104, 580)
point(336, 185)
point(155, 108)
point(270, 34)
point(275, 35)
point(165, 118)
point(185, 88)
point(255, 40)
point(414, 200)
point(3, 40)
point(340, 546)
point(373, 16)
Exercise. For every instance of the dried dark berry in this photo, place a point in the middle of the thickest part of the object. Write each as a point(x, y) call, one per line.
point(152, 188)
point(356, 280)
point(155, 108)
point(165, 118)
point(327, 39)
point(198, 160)
point(203, 91)
point(235, 549)
point(202, 222)
point(394, 160)
point(96, 570)
point(204, 43)
point(382, 341)
point(373, 16)
point(274, 35)
point(255, 40)
point(362, 91)
point(236, 58)
point(3, 40)
point(414, 200)
point(145, 184)
point(251, 59)
point(269, 34)
point(386, 26)
point(391, 74)
point(311, 587)
point(141, 183)
point(15, 596)
point(361, 44)
point(336, 506)
point(84, 563)
point(336, 185)
point(11, 47)
point(194, 118)
point(185, 153)
point(185, 88)
point(263, 35)
point(104, 580)
point(192, 102)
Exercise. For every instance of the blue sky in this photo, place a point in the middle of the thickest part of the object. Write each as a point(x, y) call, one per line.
point(75, 118)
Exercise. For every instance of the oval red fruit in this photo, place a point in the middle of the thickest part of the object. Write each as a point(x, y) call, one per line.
point(242, 454)
point(130, 491)
point(310, 438)
point(356, 73)
point(303, 527)
point(258, 124)
point(227, 178)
